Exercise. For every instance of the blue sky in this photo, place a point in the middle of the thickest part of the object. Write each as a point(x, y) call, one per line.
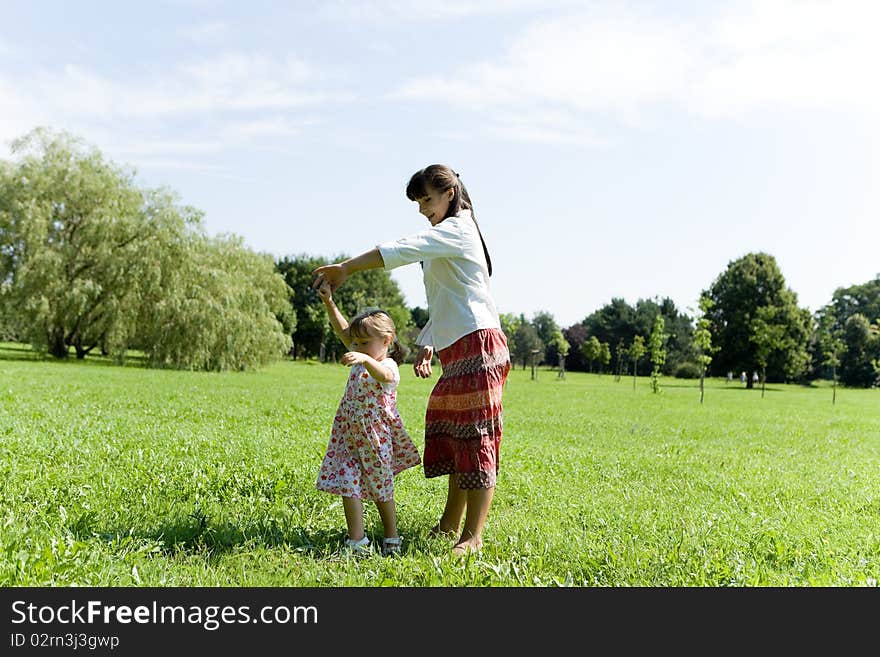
point(612, 149)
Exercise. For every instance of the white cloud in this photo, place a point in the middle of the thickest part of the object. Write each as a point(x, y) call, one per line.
point(267, 128)
point(205, 33)
point(588, 63)
point(243, 86)
point(229, 82)
point(782, 54)
point(615, 63)
point(387, 12)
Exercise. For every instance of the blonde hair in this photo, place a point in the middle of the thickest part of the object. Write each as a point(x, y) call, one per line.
point(373, 322)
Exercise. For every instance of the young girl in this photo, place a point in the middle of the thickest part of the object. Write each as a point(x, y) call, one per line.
point(463, 420)
point(368, 443)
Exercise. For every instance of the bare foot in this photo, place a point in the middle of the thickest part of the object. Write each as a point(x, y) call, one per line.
point(469, 545)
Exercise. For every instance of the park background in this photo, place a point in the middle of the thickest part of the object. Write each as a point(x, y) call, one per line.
point(671, 197)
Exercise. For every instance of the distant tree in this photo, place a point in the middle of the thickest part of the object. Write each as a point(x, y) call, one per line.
point(527, 342)
point(862, 342)
point(604, 355)
point(703, 340)
point(575, 336)
point(657, 344)
point(863, 299)
point(636, 350)
point(419, 316)
point(370, 288)
point(312, 327)
point(768, 336)
point(749, 283)
point(550, 333)
point(621, 357)
point(591, 349)
point(510, 325)
point(831, 346)
point(618, 323)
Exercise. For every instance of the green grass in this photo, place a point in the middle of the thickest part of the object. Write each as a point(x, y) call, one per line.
point(126, 476)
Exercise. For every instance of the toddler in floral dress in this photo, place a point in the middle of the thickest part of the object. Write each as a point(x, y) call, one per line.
point(368, 443)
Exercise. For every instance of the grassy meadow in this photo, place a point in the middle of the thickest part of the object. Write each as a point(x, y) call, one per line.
point(126, 476)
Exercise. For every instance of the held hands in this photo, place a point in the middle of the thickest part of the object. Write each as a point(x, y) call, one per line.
point(333, 275)
point(422, 363)
point(324, 291)
point(353, 358)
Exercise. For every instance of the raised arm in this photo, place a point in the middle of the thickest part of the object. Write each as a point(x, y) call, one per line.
point(337, 319)
point(336, 274)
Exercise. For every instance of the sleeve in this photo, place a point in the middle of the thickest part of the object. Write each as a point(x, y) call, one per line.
point(426, 337)
point(436, 242)
point(391, 364)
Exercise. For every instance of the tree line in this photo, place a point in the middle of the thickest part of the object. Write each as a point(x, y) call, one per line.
point(89, 261)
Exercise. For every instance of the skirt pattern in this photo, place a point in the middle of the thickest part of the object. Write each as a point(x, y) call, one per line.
point(463, 422)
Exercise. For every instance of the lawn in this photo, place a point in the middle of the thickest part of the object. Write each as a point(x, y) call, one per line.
point(127, 476)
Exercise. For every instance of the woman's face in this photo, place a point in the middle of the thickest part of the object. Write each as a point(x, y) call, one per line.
point(434, 205)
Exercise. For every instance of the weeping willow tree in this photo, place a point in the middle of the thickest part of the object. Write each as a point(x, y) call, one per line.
point(90, 261)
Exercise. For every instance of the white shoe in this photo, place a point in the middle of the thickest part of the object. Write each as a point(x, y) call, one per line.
point(391, 546)
point(360, 547)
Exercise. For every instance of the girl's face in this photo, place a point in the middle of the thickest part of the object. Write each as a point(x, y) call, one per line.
point(434, 205)
point(375, 346)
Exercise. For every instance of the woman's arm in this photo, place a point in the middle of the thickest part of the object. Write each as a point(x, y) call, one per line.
point(336, 274)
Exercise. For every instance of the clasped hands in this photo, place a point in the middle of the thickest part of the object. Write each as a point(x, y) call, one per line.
point(332, 276)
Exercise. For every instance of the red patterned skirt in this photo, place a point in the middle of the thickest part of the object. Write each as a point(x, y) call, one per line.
point(463, 420)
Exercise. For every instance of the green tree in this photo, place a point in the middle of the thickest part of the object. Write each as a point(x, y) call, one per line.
point(591, 348)
point(621, 356)
point(527, 343)
point(768, 336)
point(604, 355)
point(831, 346)
point(863, 299)
point(218, 308)
point(636, 350)
point(749, 283)
point(313, 337)
point(703, 340)
point(551, 335)
point(862, 347)
point(79, 244)
point(657, 343)
point(617, 323)
point(575, 335)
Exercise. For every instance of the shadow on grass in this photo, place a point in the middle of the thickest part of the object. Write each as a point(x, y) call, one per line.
point(15, 351)
point(196, 534)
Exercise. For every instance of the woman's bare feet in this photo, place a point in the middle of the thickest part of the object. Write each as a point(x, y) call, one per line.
point(467, 545)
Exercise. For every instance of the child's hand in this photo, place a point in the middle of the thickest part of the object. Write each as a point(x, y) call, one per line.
point(324, 291)
point(353, 358)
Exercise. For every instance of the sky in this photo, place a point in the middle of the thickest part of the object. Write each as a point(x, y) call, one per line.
point(611, 149)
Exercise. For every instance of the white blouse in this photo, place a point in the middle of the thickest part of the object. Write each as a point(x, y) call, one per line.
point(456, 278)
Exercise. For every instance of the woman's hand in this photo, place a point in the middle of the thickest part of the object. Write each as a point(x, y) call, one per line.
point(422, 363)
point(334, 275)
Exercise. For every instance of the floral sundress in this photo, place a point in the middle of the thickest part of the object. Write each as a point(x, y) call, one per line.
point(368, 442)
